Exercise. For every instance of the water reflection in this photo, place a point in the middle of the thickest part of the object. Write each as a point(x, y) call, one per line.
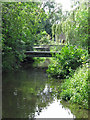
point(55, 110)
point(21, 93)
point(28, 94)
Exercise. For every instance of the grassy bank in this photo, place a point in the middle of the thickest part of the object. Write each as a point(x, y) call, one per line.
point(75, 89)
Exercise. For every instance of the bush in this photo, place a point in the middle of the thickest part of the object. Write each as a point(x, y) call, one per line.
point(64, 64)
point(75, 89)
point(44, 38)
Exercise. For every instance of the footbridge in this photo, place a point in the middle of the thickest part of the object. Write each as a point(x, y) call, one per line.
point(44, 50)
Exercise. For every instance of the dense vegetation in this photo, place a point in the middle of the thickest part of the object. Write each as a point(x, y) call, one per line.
point(75, 88)
point(65, 63)
point(25, 24)
point(75, 26)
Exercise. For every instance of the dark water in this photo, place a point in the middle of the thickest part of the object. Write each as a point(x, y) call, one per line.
point(29, 93)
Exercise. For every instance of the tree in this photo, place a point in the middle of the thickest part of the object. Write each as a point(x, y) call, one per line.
point(75, 26)
point(20, 22)
point(54, 12)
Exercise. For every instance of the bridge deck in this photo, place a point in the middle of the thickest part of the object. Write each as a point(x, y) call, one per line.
point(48, 45)
point(41, 53)
point(44, 48)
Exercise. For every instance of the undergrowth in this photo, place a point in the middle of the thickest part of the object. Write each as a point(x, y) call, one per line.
point(75, 89)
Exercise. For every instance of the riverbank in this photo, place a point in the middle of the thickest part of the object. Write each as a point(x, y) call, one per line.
point(75, 89)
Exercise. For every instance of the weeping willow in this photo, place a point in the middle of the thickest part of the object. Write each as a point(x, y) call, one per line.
point(56, 31)
point(75, 27)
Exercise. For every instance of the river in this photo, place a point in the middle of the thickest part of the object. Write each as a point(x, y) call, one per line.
point(29, 93)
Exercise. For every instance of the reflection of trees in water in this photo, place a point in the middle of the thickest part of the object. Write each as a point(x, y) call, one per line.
point(35, 102)
point(25, 94)
point(45, 98)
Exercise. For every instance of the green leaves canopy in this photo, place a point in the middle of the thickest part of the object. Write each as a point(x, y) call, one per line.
point(20, 22)
point(75, 27)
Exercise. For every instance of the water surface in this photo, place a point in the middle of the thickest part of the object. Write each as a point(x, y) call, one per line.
point(28, 93)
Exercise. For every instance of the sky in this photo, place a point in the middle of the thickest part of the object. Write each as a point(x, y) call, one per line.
point(65, 3)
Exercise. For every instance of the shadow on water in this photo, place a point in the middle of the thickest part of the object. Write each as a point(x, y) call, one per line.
point(28, 93)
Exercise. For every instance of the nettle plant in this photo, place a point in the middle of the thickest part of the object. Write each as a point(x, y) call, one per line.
point(64, 64)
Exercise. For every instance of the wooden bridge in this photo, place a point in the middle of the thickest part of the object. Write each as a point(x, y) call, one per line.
point(40, 53)
point(44, 51)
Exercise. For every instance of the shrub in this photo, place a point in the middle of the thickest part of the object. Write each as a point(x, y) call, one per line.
point(75, 89)
point(64, 64)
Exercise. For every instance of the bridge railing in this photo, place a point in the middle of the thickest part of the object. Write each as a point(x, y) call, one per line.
point(47, 47)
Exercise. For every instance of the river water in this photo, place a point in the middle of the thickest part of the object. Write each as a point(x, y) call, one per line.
point(29, 93)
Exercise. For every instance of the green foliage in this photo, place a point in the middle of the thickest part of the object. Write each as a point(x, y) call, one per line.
point(21, 22)
point(64, 64)
point(12, 42)
point(44, 38)
point(54, 12)
point(76, 29)
point(75, 26)
point(56, 30)
point(39, 60)
point(75, 89)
